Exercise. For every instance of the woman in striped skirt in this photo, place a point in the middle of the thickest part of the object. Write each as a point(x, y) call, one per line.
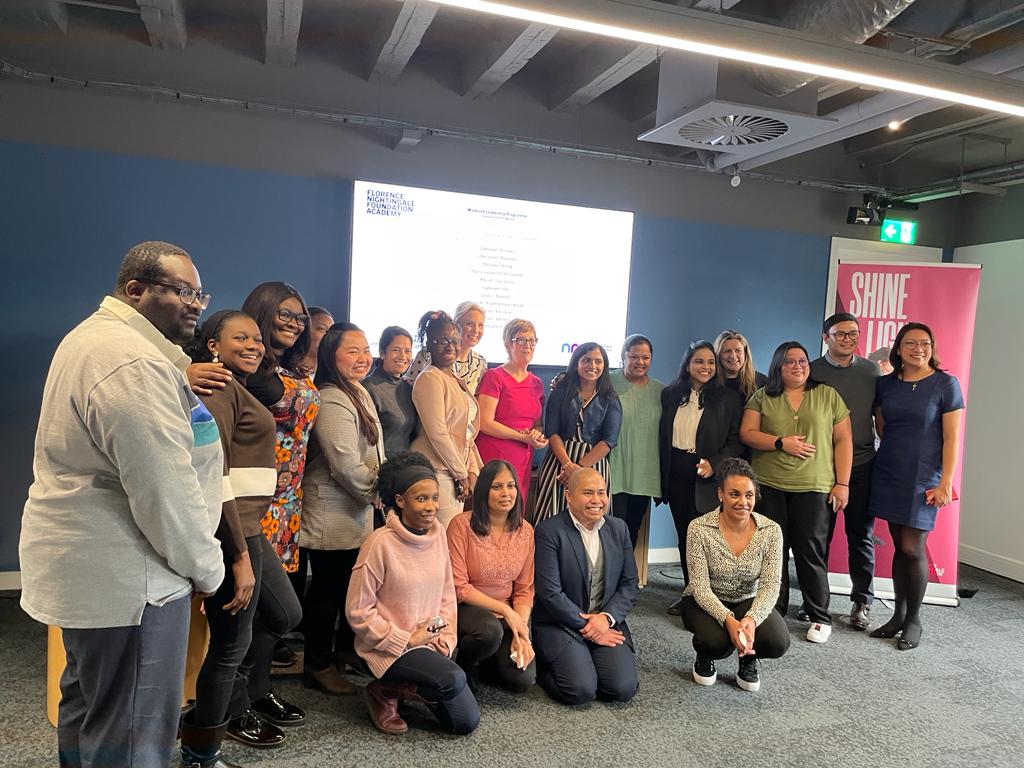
point(581, 423)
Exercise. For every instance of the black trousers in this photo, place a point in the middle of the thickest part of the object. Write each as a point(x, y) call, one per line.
point(121, 691)
point(230, 637)
point(441, 682)
point(860, 535)
point(584, 671)
point(486, 641)
point(632, 509)
point(804, 519)
point(711, 640)
point(325, 603)
point(277, 612)
point(298, 581)
point(682, 498)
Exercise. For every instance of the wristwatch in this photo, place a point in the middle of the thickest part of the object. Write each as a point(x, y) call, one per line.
point(778, 443)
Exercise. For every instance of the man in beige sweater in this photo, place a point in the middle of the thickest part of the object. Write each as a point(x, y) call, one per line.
point(118, 529)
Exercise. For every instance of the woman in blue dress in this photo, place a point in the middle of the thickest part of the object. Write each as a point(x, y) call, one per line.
point(919, 416)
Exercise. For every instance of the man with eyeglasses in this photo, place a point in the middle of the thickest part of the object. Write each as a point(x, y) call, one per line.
point(118, 530)
point(854, 377)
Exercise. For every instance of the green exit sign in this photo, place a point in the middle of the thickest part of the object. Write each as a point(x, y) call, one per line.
point(897, 231)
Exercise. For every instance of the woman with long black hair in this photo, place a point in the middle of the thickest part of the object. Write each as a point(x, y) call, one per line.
point(581, 422)
point(340, 490)
point(700, 421)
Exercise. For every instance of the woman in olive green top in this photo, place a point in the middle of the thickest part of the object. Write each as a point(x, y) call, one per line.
point(803, 450)
point(635, 473)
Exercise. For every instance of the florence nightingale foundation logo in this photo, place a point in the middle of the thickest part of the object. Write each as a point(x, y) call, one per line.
point(383, 202)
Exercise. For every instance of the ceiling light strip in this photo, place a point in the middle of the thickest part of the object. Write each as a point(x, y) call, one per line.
point(734, 54)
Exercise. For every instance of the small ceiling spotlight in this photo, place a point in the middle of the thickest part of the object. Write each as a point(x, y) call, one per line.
point(735, 181)
point(895, 125)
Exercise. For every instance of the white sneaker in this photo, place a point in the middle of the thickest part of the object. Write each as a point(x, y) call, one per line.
point(819, 633)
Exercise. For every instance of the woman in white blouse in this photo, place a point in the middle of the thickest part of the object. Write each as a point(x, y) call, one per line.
point(340, 489)
point(735, 560)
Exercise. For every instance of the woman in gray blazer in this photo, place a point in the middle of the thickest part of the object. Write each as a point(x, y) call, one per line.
point(339, 492)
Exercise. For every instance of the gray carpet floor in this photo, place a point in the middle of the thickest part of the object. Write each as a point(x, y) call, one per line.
point(856, 701)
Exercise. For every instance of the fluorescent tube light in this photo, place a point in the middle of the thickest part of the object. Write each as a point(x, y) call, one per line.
point(735, 54)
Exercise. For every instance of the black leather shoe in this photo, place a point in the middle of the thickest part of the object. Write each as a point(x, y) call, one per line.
point(801, 614)
point(278, 711)
point(676, 608)
point(253, 732)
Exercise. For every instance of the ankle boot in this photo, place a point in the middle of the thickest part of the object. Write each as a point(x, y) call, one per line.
point(382, 701)
point(200, 745)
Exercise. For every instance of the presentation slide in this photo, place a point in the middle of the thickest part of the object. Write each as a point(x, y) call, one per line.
point(564, 268)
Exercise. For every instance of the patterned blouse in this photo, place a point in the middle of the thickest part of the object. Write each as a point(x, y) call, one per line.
point(717, 575)
point(294, 415)
point(502, 570)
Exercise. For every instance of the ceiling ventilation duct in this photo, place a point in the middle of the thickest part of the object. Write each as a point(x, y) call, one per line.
point(851, 21)
point(714, 105)
point(710, 104)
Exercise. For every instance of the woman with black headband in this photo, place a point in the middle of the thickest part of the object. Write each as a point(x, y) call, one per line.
point(401, 605)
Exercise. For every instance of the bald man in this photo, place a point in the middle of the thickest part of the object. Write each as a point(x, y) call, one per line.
point(586, 585)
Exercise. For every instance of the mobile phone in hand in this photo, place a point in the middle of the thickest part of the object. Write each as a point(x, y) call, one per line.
point(436, 624)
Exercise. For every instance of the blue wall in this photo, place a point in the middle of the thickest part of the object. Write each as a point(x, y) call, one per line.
point(67, 217)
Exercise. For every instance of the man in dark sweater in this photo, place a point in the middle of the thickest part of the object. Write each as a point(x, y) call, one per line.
point(854, 378)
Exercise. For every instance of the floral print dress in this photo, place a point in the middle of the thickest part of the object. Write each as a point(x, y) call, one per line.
point(294, 415)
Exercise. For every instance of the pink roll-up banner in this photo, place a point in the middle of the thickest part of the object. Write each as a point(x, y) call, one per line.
point(884, 297)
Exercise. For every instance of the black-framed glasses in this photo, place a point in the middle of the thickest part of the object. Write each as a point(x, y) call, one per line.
point(450, 343)
point(844, 335)
point(188, 296)
point(525, 341)
point(287, 316)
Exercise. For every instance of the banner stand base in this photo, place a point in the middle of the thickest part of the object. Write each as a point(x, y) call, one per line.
point(935, 594)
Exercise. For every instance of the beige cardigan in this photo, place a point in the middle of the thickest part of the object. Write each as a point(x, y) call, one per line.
point(441, 404)
point(341, 480)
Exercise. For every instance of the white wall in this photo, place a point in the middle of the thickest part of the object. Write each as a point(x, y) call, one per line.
point(991, 522)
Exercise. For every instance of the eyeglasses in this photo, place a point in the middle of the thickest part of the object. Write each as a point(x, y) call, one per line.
point(188, 296)
point(914, 344)
point(801, 363)
point(452, 343)
point(524, 341)
point(287, 316)
point(844, 335)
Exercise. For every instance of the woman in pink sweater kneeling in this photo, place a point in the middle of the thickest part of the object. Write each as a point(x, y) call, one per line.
point(402, 608)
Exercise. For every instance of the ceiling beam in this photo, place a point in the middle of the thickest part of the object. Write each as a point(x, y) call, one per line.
point(399, 37)
point(597, 69)
point(490, 68)
point(165, 23)
point(713, 5)
point(284, 18)
point(53, 13)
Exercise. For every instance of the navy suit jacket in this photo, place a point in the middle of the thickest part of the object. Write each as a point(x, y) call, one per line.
point(562, 582)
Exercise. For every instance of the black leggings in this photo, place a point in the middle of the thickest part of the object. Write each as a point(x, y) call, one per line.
point(277, 612)
point(325, 602)
point(909, 572)
point(442, 683)
point(711, 639)
point(229, 641)
point(632, 509)
point(486, 640)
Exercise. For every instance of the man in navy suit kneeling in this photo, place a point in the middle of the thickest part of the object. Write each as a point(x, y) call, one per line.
point(586, 585)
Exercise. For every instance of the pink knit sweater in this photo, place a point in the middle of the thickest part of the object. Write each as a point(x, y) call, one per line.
point(399, 580)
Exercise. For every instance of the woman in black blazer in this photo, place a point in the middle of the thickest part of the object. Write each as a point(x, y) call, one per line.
point(700, 423)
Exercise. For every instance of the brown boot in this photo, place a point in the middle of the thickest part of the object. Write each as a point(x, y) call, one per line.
point(330, 681)
point(382, 701)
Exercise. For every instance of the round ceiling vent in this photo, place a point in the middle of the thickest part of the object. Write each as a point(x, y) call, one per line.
point(733, 130)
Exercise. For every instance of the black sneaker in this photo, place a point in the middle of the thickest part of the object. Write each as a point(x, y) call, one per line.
point(747, 677)
point(704, 671)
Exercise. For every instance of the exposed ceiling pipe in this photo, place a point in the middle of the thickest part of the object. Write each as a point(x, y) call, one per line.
point(877, 111)
point(994, 175)
point(852, 21)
